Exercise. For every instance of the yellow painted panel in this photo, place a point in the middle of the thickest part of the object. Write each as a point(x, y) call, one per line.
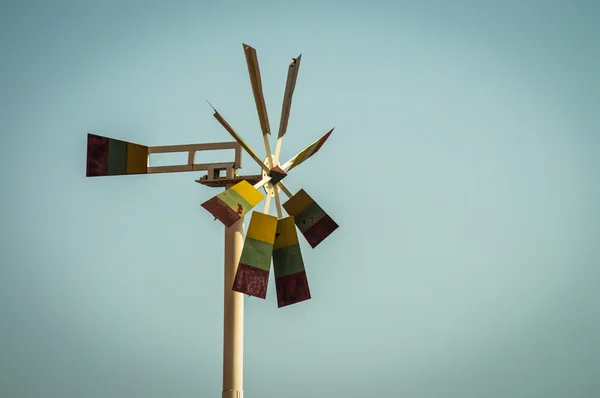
point(286, 233)
point(137, 159)
point(297, 203)
point(262, 227)
point(248, 192)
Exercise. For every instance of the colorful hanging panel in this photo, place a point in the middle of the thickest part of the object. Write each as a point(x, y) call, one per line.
point(290, 276)
point(252, 276)
point(310, 218)
point(231, 205)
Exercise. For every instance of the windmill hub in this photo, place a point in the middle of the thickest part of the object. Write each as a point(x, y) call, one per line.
point(276, 173)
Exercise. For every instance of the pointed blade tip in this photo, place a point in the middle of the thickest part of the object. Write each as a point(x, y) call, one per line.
point(211, 105)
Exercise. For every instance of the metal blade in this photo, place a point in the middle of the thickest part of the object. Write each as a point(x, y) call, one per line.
point(255, 81)
point(310, 218)
point(239, 139)
point(252, 276)
point(306, 152)
point(290, 275)
point(290, 85)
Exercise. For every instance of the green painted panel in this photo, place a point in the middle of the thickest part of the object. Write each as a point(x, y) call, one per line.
point(257, 254)
point(287, 261)
point(235, 201)
point(309, 216)
point(117, 157)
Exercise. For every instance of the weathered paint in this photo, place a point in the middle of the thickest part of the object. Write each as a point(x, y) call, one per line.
point(97, 156)
point(290, 275)
point(257, 254)
point(231, 204)
point(309, 217)
point(292, 289)
point(221, 211)
point(309, 150)
point(251, 281)
point(297, 203)
point(235, 201)
point(248, 192)
point(117, 157)
point(321, 230)
point(286, 233)
point(287, 260)
point(137, 159)
point(314, 223)
point(107, 156)
point(262, 227)
point(277, 174)
point(287, 257)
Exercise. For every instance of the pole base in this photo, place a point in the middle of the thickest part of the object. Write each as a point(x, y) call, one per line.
point(233, 394)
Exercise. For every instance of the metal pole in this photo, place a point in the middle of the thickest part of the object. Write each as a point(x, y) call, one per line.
point(233, 319)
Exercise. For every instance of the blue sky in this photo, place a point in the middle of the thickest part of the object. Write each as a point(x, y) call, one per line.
point(463, 172)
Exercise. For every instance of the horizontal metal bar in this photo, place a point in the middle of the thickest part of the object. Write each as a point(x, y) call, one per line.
point(194, 147)
point(190, 167)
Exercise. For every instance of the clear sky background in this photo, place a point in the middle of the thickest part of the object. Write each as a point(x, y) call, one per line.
point(463, 172)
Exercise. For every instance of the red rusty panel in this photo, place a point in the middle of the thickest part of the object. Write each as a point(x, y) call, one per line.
point(321, 230)
point(292, 289)
point(251, 281)
point(97, 156)
point(221, 211)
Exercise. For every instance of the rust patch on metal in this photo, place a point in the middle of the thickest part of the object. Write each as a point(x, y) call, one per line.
point(321, 230)
point(240, 209)
point(97, 156)
point(221, 211)
point(292, 289)
point(251, 281)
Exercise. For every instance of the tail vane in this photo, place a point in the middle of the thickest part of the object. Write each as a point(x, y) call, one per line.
point(110, 157)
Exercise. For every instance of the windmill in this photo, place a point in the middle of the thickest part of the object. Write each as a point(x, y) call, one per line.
point(269, 238)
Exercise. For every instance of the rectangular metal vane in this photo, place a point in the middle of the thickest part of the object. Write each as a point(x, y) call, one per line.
point(107, 156)
point(252, 276)
point(233, 203)
point(310, 218)
point(290, 275)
